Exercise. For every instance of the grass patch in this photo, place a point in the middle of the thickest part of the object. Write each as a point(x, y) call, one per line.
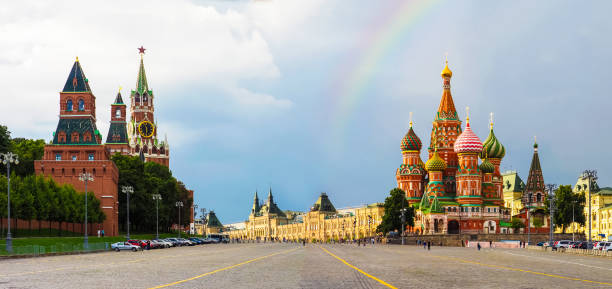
point(42, 245)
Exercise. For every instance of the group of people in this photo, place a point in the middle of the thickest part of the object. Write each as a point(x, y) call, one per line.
point(426, 245)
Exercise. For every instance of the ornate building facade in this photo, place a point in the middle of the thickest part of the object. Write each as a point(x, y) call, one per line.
point(322, 223)
point(452, 193)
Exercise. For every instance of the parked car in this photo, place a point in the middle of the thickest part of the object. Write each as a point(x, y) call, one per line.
point(157, 244)
point(163, 243)
point(173, 241)
point(562, 244)
point(125, 246)
point(602, 246)
point(139, 243)
point(186, 242)
point(197, 241)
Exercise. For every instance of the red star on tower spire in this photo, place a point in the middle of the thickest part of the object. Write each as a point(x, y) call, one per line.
point(141, 50)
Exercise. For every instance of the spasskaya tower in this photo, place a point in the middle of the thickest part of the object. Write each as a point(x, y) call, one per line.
point(142, 128)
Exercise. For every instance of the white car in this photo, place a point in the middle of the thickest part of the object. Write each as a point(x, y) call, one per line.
point(563, 244)
point(162, 243)
point(603, 246)
point(124, 246)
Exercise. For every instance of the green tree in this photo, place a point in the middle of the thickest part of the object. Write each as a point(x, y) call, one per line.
point(28, 150)
point(5, 139)
point(393, 205)
point(565, 202)
point(517, 224)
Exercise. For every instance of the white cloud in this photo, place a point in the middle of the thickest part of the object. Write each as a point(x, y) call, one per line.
point(187, 44)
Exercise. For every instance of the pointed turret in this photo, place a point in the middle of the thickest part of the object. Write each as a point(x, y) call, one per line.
point(323, 204)
point(256, 206)
point(535, 182)
point(117, 131)
point(446, 110)
point(270, 198)
point(76, 82)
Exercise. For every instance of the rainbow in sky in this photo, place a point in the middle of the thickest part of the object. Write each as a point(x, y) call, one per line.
point(395, 26)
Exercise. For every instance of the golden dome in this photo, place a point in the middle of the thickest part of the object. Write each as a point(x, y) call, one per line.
point(435, 163)
point(446, 72)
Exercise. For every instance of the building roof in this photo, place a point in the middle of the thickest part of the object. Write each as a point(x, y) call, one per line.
point(80, 126)
point(118, 99)
point(435, 163)
point(512, 182)
point(117, 133)
point(142, 86)
point(323, 204)
point(76, 82)
point(446, 110)
point(213, 221)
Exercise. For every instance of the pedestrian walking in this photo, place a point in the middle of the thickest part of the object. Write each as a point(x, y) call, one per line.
point(478, 246)
point(428, 245)
point(424, 245)
point(102, 233)
point(490, 244)
point(148, 245)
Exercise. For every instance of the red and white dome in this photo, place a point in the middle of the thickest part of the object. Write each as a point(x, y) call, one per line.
point(468, 142)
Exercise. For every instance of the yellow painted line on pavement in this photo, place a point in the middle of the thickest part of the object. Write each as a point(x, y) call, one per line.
point(358, 270)
point(222, 269)
point(521, 270)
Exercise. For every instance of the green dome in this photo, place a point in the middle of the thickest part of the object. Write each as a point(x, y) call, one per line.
point(487, 167)
point(435, 163)
point(492, 148)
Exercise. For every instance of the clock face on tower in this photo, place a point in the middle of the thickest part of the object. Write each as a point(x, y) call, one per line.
point(146, 129)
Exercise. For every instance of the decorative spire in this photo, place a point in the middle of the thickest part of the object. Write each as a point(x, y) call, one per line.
point(467, 115)
point(446, 110)
point(491, 120)
point(119, 99)
point(535, 180)
point(411, 119)
point(141, 84)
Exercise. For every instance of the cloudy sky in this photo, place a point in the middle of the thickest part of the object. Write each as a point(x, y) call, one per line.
point(311, 95)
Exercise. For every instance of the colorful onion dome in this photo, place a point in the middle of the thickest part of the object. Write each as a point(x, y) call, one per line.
point(468, 142)
point(435, 163)
point(487, 167)
point(492, 148)
point(446, 72)
point(411, 141)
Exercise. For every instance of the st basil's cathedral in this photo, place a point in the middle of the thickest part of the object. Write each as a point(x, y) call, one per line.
point(452, 193)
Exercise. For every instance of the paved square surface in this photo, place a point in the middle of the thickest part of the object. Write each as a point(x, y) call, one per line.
point(313, 266)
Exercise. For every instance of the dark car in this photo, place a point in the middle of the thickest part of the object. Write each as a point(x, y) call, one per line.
point(196, 240)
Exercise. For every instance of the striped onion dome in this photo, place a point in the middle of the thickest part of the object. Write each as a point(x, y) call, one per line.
point(411, 141)
point(487, 167)
point(492, 148)
point(435, 163)
point(468, 142)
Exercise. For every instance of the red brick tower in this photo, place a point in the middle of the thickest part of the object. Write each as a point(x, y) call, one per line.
point(446, 129)
point(116, 140)
point(76, 148)
point(142, 129)
point(410, 174)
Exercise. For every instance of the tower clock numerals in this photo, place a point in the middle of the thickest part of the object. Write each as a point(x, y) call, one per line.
point(146, 129)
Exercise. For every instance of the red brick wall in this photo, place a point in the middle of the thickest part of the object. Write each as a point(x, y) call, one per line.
point(72, 227)
point(104, 171)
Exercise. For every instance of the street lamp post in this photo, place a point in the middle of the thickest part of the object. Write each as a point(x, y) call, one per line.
point(592, 176)
point(551, 204)
point(369, 226)
point(203, 218)
point(86, 177)
point(128, 190)
point(7, 159)
point(179, 204)
point(157, 198)
point(403, 219)
point(528, 220)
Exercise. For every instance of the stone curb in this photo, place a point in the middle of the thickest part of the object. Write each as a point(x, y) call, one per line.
point(49, 254)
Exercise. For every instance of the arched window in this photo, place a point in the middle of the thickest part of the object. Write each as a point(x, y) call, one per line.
point(81, 105)
point(69, 105)
point(118, 113)
point(539, 197)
